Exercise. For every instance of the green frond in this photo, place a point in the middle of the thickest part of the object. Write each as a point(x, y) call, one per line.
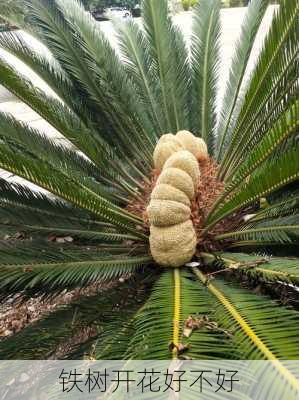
point(111, 105)
point(259, 328)
point(28, 211)
point(54, 180)
point(226, 322)
point(269, 88)
point(86, 55)
point(252, 321)
point(287, 205)
point(111, 78)
point(45, 269)
point(117, 327)
point(21, 200)
point(271, 176)
point(161, 321)
point(285, 127)
point(51, 28)
point(134, 47)
point(21, 134)
point(69, 125)
point(13, 11)
point(272, 270)
point(153, 324)
point(266, 123)
point(56, 114)
point(284, 230)
point(54, 158)
point(80, 113)
point(50, 72)
point(56, 230)
point(45, 66)
point(205, 60)
point(165, 43)
point(250, 25)
point(206, 342)
point(112, 342)
point(42, 339)
point(38, 223)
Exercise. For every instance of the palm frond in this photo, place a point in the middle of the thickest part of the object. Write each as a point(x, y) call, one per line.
point(78, 114)
point(270, 144)
point(111, 105)
point(260, 269)
point(48, 69)
point(153, 324)
point(111, 78)
point(21, 134)
point(21, 199)
point(285, 127)
point(271, 176)
point(42, 269)
point(268, 82)
point(70, 161)
point(267, 121)
point(254, 321)
point(13, 12)
point(159, 325)
point(285, 205)
point(251, 23)
point(117, 327)
point(166, 43)
point(35, 222)
point(28, 211)
point(50, 27)
point(54, 180)
point(45, 66)
point(284, 230)
point(134, 47)
point(258, 327)
point(205, 60)
point(56, 114)
point(83, 51)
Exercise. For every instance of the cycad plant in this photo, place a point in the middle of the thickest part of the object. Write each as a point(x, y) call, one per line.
point(112, 105)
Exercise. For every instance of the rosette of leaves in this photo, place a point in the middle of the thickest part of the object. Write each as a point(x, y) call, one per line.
point(111, 105)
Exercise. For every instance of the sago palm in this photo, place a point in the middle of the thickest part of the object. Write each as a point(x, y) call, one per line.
point(112, 105)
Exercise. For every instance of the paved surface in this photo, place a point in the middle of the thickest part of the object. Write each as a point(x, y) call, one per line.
point(231, 20)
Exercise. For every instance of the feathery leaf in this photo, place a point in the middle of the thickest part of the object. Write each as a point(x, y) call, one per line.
point(205, 65)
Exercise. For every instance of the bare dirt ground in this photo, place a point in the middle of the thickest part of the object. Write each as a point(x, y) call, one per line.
point(16, 315)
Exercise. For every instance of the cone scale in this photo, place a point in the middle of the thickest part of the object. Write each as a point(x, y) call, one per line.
point(173, 238)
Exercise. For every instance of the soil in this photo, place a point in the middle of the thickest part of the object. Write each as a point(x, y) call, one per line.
point(16, 314)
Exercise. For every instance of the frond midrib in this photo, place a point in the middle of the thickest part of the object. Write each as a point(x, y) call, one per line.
point(204, 111)
point(176, 311)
